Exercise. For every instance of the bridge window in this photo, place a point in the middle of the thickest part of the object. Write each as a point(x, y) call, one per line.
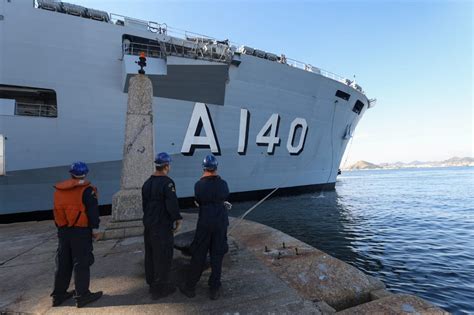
point(31, 101)
point(2, 155)
point(358, 107)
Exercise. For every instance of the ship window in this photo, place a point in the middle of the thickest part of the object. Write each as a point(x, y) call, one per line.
point(31, 101)
point(343, 95)
point(2, 155)
point(358, 107)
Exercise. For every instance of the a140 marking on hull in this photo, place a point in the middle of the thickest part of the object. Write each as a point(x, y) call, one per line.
point(268, 135)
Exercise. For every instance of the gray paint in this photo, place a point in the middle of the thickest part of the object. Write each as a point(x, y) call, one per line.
point(182, 78)
point(204, 84)
point(88, 80)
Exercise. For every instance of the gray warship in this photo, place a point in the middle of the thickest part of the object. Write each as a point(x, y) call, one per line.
point(64, 72)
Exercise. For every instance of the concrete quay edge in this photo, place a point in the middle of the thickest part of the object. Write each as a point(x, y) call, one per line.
point(255, 279)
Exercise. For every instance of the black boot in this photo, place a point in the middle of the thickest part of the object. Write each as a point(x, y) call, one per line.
point(189, 292)
point(59, 299)
point(214, 293)
point(87, 298)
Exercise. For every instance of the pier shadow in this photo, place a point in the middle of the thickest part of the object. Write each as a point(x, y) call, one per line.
point(139, 294)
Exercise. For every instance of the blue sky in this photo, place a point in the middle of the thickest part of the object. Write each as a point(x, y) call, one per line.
point(415, 57)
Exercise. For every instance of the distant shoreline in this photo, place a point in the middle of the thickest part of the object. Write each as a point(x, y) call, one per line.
point(452, 162)
point(401, 168)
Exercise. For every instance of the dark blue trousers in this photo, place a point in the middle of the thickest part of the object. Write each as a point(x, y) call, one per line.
point(158, 255)
point(74, 253)
point(212, 239)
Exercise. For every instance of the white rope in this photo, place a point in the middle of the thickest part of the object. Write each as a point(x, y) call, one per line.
point(240, 219)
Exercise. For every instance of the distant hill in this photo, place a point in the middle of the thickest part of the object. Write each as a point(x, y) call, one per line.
point(454, 161)
point(363, 165)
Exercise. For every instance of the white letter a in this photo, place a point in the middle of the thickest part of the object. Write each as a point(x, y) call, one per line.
point(200, 118)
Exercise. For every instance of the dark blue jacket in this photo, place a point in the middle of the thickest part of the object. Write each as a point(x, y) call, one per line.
point(89, 198)
point(210, 193)
point(160, 203)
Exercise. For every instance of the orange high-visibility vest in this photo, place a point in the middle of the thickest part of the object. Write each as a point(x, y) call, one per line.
point(69, 210)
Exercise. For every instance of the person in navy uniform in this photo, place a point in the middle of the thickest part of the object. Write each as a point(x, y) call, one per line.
point(76, 215)
point(211, 193)
point(161, 219)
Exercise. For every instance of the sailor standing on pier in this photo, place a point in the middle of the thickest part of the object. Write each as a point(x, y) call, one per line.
point(76, 215)
point(210, 192)
point(161, 219)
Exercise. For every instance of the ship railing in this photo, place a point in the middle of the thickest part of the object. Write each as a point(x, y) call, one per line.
point(198, 39)
point(181, 48)
point(160, 28)
point(150, 50)
point(221, 54)
point(310, 68)
point(334, 76)
point(191, 36)
point(154, 27)
point(36, 110)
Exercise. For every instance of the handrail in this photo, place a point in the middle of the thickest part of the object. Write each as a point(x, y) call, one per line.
point(162, 50)
point(154, 27)
point(163, 28)
point(135, 49)
point(310, 68)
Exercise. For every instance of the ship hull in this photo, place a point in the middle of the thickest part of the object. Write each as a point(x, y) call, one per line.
point(82, 61)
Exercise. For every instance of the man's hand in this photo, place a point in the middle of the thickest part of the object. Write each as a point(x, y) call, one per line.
point(177, 225)
point(96, 235)
point(227, 205)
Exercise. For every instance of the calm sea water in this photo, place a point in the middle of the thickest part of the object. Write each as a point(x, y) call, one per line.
point(411, 228)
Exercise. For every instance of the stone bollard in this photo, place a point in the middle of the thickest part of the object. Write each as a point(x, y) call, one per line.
point(137, 163)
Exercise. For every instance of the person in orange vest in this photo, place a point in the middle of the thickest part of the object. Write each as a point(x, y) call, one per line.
point(210, 193)
point(76, 215)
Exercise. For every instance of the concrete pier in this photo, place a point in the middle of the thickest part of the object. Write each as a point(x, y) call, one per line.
point(265, 271)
